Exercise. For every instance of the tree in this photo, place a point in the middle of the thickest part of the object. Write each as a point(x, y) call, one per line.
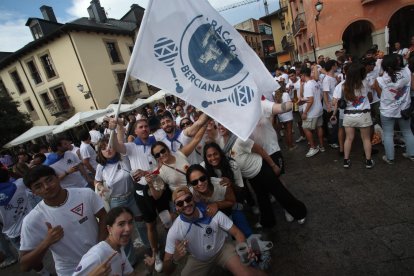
point(13, 122)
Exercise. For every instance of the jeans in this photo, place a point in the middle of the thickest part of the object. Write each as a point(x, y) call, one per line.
point(140, 226)
point(388, 129)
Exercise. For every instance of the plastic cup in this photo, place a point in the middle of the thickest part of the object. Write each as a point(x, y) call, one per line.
point(243, 251)
point(165, 218)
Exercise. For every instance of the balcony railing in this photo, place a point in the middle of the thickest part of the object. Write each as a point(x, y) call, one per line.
point(287, 42)
point(60, 106)
point(132, 89)
point(283, 4)
point(299, 25)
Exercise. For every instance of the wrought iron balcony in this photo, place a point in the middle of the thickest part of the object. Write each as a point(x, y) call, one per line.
point(132, 89)
point(299, 25)
point(287, 42)
point(60, 106)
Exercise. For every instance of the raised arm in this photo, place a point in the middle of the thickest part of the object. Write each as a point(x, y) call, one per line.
point(117, 144)
point(192, 130)
point(189, 148)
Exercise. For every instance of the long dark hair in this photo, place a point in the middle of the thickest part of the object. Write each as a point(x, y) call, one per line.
point(353, 82)
point(116, 212)
point(224, 165)
point(197, 167)
point(100, 158)
point(391, 65)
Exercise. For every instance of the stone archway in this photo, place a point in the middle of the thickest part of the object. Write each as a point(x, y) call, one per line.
point(401, 27)
point(357, 38)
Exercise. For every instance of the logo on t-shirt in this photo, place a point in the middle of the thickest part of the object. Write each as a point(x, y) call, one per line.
point(78, 210)
point(69, 161)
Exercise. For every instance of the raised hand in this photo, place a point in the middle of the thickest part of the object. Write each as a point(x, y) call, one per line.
point(104, 269)
point(54, 234)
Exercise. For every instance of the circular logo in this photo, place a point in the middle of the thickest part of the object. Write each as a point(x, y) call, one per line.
point(210, 56)
point(209, 230)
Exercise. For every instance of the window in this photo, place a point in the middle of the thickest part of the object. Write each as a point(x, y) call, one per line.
point(48, 66)
point(34, 72)
point(36, 31)
point(113, 52)
point(45, 98)
point(33, 114)
point(18, 82)
point(3, 89)
point(121, 78)
point(61, 99)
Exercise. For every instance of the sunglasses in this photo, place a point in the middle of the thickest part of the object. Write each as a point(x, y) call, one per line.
point(185, 124)
point(201, 179)
point(188, 199)
point(158, 154)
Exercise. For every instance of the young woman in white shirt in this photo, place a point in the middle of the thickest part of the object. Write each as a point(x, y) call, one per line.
point(113, 177)
point(394, 89)
point(357, 112)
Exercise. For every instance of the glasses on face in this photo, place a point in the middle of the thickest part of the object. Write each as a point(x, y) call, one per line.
point(158, 154)
point(183, 125)
point(188, 199)
point(201, 179)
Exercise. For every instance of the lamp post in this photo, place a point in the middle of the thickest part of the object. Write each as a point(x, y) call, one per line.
point(319, 8)
point(86, 94)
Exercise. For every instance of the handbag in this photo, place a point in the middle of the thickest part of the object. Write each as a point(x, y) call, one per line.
point(407, 113)
point(342, 101)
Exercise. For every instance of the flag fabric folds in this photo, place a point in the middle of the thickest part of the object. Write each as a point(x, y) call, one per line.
point(188, 49)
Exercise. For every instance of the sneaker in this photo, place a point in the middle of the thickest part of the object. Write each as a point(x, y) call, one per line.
point(293, 148)
point(302, 221)
point(312, 152)
point(255, 210)
point(334, 146)
point(288, 217)
point(321, 149)
point(389, 162)
point(369, 164)
point(347, 163)
point(158, 263)
point(8, 262)
point(407, 156)
point(282, 133)
point(258, 225)
point(272, 199)
point(300, 139)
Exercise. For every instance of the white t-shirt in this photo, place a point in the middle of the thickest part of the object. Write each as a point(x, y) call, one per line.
point(294, 86)
point(196, 156)
point(11, 215)
point(76, 217)
point(328, 85)
point(117, 177)
point(86, 151)
point(75, 150)
point(287, 116)
point(219, 191)
point(203, 242)
point(72, 180)
point(139, 156)
point(95, 136)
point(238, 178)
point(264, 134)
point(171, 176)
point(311, 89)
point(249, 163)
point(370, 79)
point(99, 254)
point(395, 96)
point(337, 95)
point(361, 102)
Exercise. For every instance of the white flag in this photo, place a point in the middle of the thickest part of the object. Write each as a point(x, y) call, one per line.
point(188, 49)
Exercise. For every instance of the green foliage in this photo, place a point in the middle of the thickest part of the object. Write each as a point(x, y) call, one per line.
point(12, 121)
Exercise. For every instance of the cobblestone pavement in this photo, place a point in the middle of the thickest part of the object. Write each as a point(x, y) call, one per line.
point(360, 221)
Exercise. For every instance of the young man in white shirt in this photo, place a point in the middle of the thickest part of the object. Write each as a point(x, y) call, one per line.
point(312, 112)
point(65, 221)
point(88, 152)
point(204, 238)
point(95, 134)
point(329, 83)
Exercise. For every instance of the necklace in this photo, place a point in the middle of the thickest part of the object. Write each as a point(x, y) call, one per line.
point(63, 203)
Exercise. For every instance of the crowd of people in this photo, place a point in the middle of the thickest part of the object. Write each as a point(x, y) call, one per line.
point(92, 205)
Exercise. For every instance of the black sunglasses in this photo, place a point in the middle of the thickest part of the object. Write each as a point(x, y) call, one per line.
point(201, 179)
point(185, 124)
point(188, 199)
point(158, 154)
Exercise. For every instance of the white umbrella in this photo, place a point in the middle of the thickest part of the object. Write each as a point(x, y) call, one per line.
point(157, 96)
point(33, 133)
point(80, 118)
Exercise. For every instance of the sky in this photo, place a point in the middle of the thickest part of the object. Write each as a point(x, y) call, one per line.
point(14, 14)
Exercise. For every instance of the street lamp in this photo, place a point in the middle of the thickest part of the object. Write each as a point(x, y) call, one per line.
point(319, 8)
point(87, 94)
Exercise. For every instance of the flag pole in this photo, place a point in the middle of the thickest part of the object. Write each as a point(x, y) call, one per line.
point(118, 109)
